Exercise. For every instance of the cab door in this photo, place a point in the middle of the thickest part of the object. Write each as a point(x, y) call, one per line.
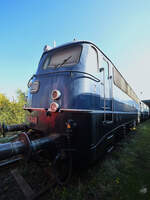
point(107, 103)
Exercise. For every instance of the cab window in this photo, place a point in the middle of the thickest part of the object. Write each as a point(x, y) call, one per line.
point(63, 57)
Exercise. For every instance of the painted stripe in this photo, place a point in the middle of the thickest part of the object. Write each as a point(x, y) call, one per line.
point(95, 111)
point(83, 110)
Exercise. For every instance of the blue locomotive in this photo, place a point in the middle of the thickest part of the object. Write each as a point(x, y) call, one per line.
point(78, 102)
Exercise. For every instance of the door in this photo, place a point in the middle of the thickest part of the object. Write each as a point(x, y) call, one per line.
point(107, 84)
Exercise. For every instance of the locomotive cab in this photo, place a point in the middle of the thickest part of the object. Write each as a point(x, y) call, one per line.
point(64, 70)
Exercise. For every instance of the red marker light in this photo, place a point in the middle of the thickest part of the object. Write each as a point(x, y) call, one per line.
point(54, 107)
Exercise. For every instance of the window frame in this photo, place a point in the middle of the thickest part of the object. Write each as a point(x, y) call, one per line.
point(51, 52)
point(108, 70)
point(95, 49)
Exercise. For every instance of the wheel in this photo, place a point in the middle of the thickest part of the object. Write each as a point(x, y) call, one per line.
point(62, 167)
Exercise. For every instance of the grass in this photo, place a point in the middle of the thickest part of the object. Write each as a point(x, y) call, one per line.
point(122, 175)
point(10, 136)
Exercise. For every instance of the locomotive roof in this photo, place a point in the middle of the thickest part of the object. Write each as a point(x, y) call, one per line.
point(81, 42)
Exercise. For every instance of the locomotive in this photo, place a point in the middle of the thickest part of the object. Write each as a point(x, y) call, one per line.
point(78, 103)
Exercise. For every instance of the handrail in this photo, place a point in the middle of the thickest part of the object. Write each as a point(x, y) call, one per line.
point(96, 79)
point(30, 80)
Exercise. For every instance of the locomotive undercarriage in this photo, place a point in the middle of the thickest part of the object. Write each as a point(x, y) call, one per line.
point(69, 137)
point(31, 142)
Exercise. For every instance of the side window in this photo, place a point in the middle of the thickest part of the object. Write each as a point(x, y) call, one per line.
point(121, 83)
point(92, 59)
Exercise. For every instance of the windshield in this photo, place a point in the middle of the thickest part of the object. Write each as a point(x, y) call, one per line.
point(63, 57)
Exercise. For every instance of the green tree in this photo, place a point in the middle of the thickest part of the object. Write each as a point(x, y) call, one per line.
point(21, 101)
point(5, 107)
point(11, 112)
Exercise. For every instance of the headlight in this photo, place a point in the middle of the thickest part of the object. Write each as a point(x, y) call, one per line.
point(34, 87)
point(54, 107)
point(55, 94)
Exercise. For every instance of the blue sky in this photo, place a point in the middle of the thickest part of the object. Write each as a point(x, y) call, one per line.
point(120, 28)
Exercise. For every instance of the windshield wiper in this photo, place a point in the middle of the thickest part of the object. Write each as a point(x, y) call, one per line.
point(64, 61)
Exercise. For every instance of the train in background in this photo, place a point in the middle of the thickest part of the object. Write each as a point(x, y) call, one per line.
point(78, 103)
point(144, 111)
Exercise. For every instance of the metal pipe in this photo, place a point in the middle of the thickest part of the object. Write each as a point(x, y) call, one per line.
point(43, 143)
point(16, 127)
point(10, 149)
point(25, 146)
point(9, 128)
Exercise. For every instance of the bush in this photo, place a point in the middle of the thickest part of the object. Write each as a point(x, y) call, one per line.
point(11, 112)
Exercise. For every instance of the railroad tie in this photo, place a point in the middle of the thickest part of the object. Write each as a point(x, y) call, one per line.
point(24, 186)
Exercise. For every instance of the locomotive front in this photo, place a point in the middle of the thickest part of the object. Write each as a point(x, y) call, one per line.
point(53, 88)
point(60, 98)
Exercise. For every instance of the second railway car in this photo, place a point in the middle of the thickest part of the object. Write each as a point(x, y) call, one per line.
point(77, 88)
point(144, 110)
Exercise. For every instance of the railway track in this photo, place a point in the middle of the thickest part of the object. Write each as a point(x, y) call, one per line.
point(22, 181)
point(10, 161)
point(27, 191)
